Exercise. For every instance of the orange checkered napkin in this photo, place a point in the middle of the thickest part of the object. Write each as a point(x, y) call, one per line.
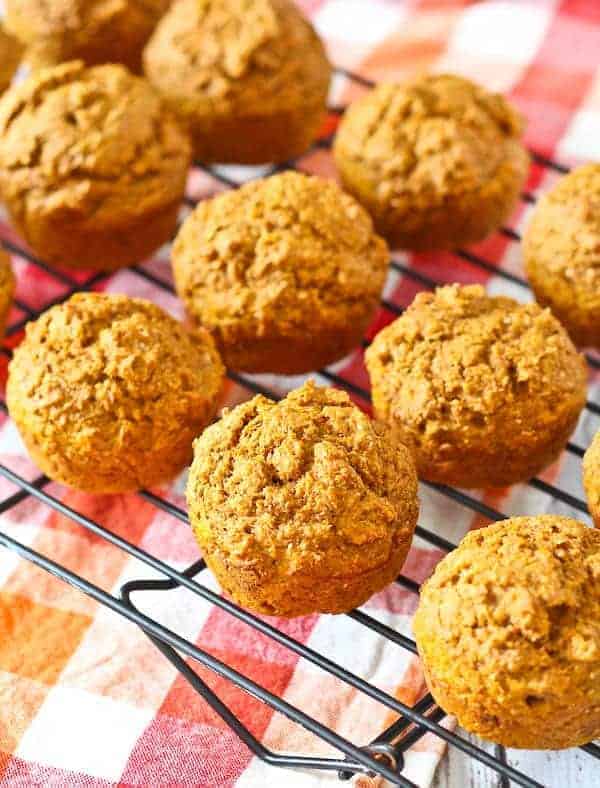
point(85, 698)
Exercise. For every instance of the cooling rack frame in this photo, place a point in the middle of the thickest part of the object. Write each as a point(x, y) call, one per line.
point(385, 754)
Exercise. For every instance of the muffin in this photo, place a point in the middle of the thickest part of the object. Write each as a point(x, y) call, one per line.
point(92, 166)
point(285, 272)
point(250, 78)
point(7, 289)
point(507, 630)
point(561, 249)
point(108, 392)
point(484, 390)
point(438, 162)
point(302, 506)
point(95, 31)
point(591, 478)
point(10, 57)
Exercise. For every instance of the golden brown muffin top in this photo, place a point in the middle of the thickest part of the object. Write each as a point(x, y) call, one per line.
point(437, 135)
point(517, 607)
point(78, 20)
point(89, 141)
point(111, 368)
point(276, 251)
point(247, 56)
point(459, 364)
point(10, 57)
point(564, 234)
point(309, 484)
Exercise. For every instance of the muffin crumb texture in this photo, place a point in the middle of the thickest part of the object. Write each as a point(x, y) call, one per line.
point(438, 161)
point(92, 166)
point(508, 631)
point(561, 249)
point(301, 506)
point(109, 392)
point(95, 31)
point(484, 390)
point(286, 273)
point(250, 77)
point(591, 478)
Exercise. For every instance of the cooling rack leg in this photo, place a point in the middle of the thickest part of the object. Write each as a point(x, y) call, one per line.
point(390, 760)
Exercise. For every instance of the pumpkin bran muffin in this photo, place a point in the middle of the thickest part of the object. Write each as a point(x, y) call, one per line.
point(92, 166)
point(109, 392)
point(10, 57)
point(285, 272)
point(95, 31)
point(561, 248)
point(7, 289)
point(484, 390)
point(302, 506)
point(507, 629)
point(250, 77)
point(438, 162)
point(591, 478)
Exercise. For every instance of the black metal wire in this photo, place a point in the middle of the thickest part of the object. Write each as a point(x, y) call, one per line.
point(185, 580)
point(384, 754)
point(170, 638)
point(274, 759)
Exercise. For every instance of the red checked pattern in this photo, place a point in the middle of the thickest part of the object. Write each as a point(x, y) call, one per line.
point(85, 698)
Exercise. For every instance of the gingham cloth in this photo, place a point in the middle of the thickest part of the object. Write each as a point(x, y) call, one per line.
point(85, 699)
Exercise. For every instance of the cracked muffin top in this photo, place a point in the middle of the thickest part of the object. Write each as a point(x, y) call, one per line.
point(463, 375)
point(110, 357)
point(247, 57)
point(458, 356)
point(97, 31)
point(309, 484)
point(508, 630)
point(437, 161)
point(78, 142)
point(425, 139)
point(108, 383)
point(562, 252)
point(284, 251)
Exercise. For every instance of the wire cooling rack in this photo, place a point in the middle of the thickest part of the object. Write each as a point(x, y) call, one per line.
point(385, 754)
